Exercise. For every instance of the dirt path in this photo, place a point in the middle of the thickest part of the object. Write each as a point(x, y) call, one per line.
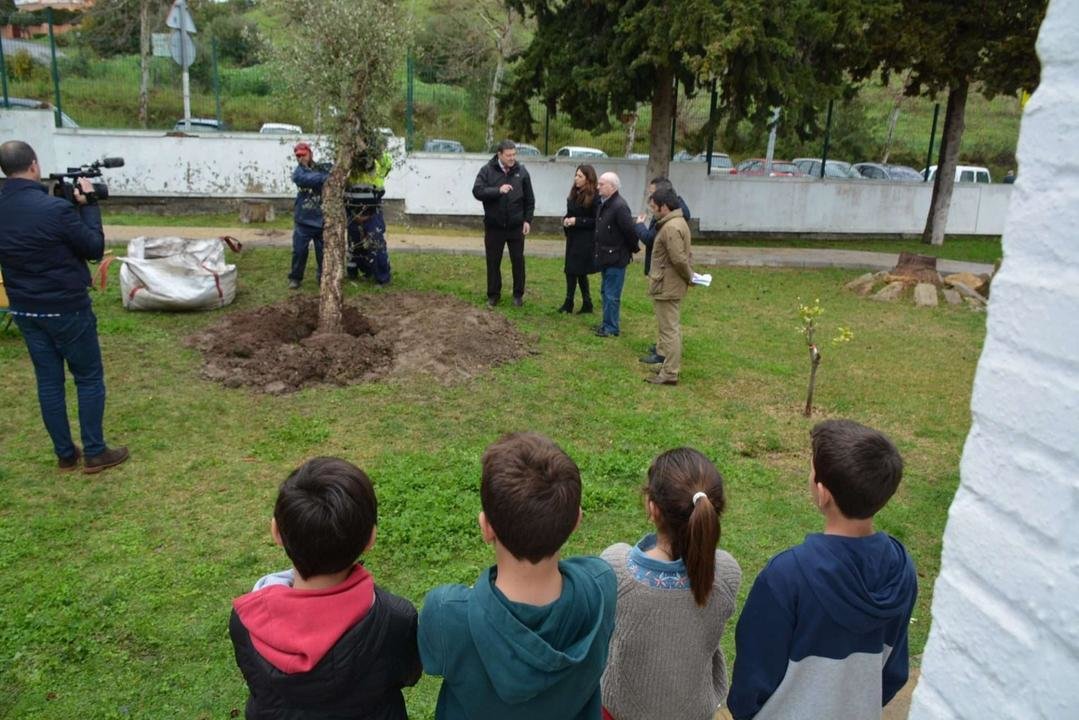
point(473, 245)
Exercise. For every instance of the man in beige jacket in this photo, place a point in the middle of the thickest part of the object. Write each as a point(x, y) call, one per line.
point(668, 281)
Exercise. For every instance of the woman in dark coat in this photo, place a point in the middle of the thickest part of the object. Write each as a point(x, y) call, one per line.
point(579, 224)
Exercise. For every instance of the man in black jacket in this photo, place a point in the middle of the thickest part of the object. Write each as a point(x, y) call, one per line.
point(505, 189)
point(616, 241)
point(646, 229)
point(44, 245)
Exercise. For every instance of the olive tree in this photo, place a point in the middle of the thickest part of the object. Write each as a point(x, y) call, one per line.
point(340, 56)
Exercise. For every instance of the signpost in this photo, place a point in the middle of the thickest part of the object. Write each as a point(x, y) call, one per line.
point(182, 49)
point(159, 43)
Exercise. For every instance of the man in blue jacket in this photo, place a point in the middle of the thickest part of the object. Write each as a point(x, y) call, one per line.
point(307, 216)
point(44, 245)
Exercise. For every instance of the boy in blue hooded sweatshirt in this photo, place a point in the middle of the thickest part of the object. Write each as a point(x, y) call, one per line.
point(529, 639)
point(823, 633)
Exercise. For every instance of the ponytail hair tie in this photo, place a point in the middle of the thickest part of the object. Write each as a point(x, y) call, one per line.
point(697, 496)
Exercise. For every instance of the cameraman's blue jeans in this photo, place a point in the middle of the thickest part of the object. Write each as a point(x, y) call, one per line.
point(302, 236)
point(70, 337)
point(610, 289)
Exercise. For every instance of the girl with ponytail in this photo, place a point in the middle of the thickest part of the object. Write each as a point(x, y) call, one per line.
point(676, 591)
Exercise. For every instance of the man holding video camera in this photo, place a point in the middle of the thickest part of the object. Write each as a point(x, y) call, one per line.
point(45, 242)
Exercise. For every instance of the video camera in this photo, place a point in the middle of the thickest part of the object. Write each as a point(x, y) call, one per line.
point(66, 189)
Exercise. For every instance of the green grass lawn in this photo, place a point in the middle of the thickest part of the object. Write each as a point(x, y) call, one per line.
point(117, 587)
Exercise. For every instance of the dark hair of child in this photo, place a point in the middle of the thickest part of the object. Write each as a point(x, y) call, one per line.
point(531, 494)
point(691, 528)
point(325, 512)
point(860, 466)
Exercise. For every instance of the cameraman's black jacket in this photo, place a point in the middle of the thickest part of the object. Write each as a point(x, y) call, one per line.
point(44, 245)
point(509, 211)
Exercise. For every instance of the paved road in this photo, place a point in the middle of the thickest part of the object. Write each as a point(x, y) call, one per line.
point(39, 52)
point(473, 245)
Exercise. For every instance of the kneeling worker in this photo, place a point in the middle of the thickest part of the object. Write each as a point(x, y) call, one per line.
point(367, 230)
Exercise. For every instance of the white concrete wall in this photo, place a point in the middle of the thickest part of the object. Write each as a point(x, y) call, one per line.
point(1004, 642)
point(252, 165)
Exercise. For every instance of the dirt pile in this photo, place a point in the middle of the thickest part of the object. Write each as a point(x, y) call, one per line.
point(273, 348)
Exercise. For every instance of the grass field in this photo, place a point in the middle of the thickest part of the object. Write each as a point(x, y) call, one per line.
point(118, 587)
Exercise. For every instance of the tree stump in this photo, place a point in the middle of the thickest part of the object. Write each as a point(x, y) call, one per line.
point(256, 211)
point(915, 269)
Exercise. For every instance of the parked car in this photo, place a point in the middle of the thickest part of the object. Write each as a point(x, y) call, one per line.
point(439, 145)
point(895, 173)
point(637, 156)
point(965, 173)
point(526, 150)
point(280, 129)
point(200, 125)
point(720, 161)
point(759, 167)
point(832, 169)
point(576, 151)
point(31, 104)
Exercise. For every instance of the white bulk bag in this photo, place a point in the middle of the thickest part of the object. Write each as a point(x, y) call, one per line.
point(177, 274)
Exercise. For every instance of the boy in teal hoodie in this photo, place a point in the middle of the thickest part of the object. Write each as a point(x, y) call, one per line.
point(529, 639)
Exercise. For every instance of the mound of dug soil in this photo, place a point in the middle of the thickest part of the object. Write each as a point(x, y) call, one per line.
point(273, 348)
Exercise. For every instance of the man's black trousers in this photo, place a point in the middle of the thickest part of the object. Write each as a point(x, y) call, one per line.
point(494, 240)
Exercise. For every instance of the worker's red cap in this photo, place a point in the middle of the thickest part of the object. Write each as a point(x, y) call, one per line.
point(301, 148)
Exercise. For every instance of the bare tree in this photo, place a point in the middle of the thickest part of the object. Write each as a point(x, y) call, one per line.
point(500, 26)
point(341, 57)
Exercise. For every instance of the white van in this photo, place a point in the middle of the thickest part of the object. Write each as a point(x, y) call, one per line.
point(280, 129)
point(965, 173)
point(576, 151)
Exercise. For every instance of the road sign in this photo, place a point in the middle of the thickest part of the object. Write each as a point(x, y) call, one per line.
point(160, 43)
point(185, 58)
point(178, 14)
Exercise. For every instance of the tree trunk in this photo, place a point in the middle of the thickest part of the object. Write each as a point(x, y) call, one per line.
point(944, 181)
point(659, 135)
point(631, 134)
point(492, 103)
point(893, 119)
point(144, 63)
point(335, 238)
point(814, 363)
point(502, 44)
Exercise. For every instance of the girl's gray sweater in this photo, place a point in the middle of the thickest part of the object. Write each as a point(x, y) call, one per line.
point(665, 659)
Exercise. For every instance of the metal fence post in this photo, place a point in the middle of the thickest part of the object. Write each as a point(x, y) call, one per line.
point(711, 129)
point(3, 74)
point(58, 111)
point(217, 79)
point(932, 136)
point(410, 128)
point(546, 129)
point(827, 139)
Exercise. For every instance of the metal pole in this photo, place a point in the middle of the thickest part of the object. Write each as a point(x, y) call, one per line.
point(546, 129)
point(932, 135)
point(827, 139)
point(674, 116)
point(186, 77)
point(711, 129)
point(217, 80)
point(410, 128)
point(3, 74)
point(58, 113)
